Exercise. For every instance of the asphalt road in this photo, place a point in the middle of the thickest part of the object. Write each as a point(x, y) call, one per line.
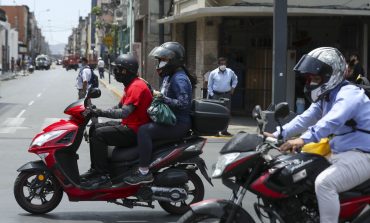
point(29, 103)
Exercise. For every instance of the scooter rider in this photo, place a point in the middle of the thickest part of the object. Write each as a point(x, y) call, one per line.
point(335, 101)
point(132, 109)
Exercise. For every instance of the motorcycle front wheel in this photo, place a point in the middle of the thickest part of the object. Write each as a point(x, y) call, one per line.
point(37, 192)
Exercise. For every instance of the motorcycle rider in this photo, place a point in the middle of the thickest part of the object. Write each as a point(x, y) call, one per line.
point(334, 103)
point(132, 109)
point(176, 92)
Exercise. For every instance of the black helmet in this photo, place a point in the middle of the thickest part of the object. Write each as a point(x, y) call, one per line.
point(172, 52)
point(128, 62)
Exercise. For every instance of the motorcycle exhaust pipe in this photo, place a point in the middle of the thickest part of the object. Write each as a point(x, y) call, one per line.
point(169, 194)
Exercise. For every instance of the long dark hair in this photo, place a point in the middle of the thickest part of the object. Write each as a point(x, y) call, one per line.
point(192, 78)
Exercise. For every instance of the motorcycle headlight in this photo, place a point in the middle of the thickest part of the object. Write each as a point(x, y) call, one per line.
point(42, 139)
point(222, 162)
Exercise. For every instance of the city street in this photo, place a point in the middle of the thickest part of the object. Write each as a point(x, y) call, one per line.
point(29, 103)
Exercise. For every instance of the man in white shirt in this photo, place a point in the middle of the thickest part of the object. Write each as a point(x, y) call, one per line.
point(221, 84)
point(101, 65)
point(83, 78)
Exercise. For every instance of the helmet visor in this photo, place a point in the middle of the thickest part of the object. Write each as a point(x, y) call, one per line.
point(311, 65)
point(162, 53)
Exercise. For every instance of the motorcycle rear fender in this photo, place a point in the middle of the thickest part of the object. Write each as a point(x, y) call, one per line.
point(217, 208)
point(33, 165)
point(202, 167)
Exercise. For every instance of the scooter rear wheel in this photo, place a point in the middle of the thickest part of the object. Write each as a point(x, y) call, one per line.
point(37, 192)
point(196, 192)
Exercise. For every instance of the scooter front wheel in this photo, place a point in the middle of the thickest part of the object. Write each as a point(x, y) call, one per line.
point(37, 192)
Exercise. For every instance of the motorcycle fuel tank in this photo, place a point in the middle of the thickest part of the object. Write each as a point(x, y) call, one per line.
point(299, 170)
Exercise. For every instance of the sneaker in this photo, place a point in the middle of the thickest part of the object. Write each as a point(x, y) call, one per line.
point(101, 180)
point(91, 173)
point(138, 178)
point(226, 133)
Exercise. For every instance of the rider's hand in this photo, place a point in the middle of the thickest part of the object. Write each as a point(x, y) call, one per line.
point(157, 94)
point(96, 112)
point(267, 134)
point(293, 144)
point(93, 112)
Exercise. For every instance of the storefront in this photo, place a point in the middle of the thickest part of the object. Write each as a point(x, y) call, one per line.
point(244, 35)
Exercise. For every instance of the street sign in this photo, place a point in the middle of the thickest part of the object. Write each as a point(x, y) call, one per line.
point(108, 40)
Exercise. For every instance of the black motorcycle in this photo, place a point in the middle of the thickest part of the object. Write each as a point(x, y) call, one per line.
point(283, 183)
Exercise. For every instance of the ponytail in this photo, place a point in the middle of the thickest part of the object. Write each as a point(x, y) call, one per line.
point(192, 78)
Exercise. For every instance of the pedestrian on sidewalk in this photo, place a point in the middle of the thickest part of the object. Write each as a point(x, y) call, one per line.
point(101, 66)
point(12, 64)
point(355, 71)
point(83, 78)
point(222, 82)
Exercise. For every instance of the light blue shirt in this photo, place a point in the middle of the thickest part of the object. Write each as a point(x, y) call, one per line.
point(221, 81)
point(327, 117)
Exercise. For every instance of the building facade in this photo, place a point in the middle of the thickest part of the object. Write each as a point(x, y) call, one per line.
point(242, 31)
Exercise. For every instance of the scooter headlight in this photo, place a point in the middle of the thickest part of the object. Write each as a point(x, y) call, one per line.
point(42, 139)
point(222, 163)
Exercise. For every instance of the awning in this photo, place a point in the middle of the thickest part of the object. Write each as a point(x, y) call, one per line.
point(239, 11)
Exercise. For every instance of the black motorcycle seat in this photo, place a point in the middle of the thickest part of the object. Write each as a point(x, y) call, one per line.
point(132, 153)
point(362, 189)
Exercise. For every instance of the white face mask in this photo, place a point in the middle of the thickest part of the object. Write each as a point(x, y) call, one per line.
point(162, 64)
point(222, 67)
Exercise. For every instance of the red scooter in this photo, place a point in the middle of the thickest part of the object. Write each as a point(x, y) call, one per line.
point(39, 187)
point(283, 183)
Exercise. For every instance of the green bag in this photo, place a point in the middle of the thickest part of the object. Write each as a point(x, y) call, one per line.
point(160, 113)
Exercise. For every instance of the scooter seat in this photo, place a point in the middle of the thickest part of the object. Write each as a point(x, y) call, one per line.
point(132, 153)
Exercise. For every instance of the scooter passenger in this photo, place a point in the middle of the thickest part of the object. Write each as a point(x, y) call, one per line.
point(176, 92)
point(334, 103)
point(132, 109)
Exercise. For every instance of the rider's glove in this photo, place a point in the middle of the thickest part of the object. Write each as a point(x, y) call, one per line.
point(96, 112)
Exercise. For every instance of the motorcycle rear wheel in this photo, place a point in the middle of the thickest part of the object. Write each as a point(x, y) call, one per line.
point(32, 190)
point(196, 191)
point(192, 217)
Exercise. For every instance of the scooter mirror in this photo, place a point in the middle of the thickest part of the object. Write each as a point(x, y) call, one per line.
point(93, 93)
point(256, 113)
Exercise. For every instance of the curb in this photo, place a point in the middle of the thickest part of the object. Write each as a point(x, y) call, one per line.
point(113, 89)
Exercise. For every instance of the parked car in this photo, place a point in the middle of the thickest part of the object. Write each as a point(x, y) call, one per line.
point(42, 62)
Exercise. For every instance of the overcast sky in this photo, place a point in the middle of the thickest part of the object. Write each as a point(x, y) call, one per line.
point(55, 17)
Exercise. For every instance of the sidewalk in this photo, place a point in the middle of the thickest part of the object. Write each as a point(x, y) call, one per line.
point(237, 123)
point(7, 76)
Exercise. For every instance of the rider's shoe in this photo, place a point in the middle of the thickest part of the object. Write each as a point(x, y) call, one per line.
point(98, 181)
point(91, 173)
point(139, 178)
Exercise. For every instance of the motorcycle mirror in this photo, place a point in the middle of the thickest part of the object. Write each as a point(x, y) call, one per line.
point(281, 111)
point(256, 113)
point(93, 93)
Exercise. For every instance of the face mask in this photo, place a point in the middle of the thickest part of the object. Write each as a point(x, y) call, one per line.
point(161, 64)
point(222, 67)
point(80, 65)
point(312, 91)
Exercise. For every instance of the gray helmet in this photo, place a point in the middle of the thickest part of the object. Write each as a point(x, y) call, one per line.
point(174, 52)
point(327, 62)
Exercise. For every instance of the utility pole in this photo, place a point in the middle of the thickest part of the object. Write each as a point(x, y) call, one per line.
point(161, 25)
point(279, 72)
